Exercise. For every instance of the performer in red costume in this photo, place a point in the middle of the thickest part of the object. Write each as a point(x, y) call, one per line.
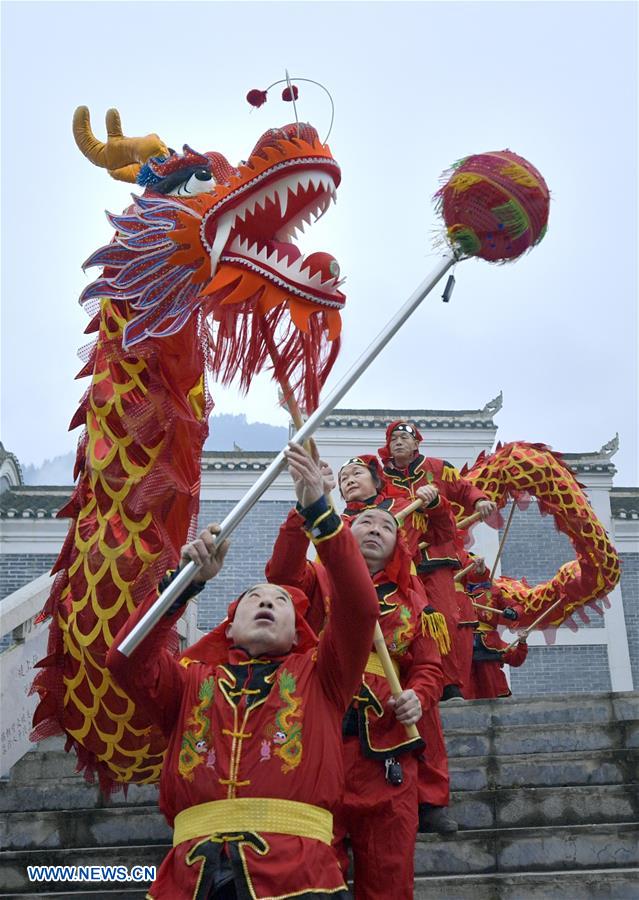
point(375, 804)
point(468, 620)
point(361, 485)
point(407, 473)
point(253, 712)
point(490, 653)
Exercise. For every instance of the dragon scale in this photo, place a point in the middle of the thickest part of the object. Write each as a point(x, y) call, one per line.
point(134, 504)
point(518, 469)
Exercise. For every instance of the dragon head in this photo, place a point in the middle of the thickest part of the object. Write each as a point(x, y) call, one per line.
point(221, 238)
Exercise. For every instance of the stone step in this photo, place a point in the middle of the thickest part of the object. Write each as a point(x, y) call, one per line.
point(14, 875)
point(523, 739)
point(73, 793)
point(541, 806)
point(68, 828)
point(579, 884)
point(57, 766)
point(472, 773)
point(573, 723)
point(504, 808)
point(466, 853)
point(480, 773)
point(473, 715)
point(46, 778)
point(589, 884)
point(80, 894)
point(529, 849)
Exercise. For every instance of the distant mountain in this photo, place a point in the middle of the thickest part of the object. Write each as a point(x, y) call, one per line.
point(227, 432)
point(58, 470)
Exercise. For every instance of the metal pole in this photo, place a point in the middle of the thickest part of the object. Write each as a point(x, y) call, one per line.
point(230, 523)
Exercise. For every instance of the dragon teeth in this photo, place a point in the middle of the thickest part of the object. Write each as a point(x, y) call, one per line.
point(315, 281)
point(291, 184)
point(282, 196)
point(263, 255)
point(221, 237)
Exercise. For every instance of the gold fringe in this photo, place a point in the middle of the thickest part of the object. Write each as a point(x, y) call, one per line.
point(435, 624)
point(420, 521)
point(449, 473)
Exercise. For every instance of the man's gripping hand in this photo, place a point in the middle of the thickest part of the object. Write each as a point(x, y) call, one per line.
point(480, 565)
point(428, 494)
point(205, 552)
point(485, 508)
point(407, 707)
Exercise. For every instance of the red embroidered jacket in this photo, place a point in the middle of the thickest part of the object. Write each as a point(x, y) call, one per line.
point(254, 728)
point(434, 525)
point(413, 650)
point(487, 676)
point(442, 549)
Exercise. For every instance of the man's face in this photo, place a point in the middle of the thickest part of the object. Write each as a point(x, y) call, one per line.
point(403, 447)
point(356, 482)
point(264, 621)
point(375, 531)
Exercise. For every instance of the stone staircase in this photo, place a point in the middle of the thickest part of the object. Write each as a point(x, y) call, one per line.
point(545, 790)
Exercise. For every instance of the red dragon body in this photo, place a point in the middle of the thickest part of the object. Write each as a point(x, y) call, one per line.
point(519, 470)
point(179, 260)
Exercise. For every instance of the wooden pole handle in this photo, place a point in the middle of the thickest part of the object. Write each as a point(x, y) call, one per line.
point(534, 624)
point(469, 520)
point(503, 539)
point(458, 576)
point(391, 675)
point(491, 609)
point(512, 645)
point(287, 392)
point(403, 513)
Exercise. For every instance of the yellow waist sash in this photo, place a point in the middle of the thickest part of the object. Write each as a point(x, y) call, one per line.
point(253, 814)
point(374, 665)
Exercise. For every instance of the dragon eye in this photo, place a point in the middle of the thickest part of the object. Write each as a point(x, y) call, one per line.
point(199, 182)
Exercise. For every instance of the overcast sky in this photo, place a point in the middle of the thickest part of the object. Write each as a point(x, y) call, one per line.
point(416, 87)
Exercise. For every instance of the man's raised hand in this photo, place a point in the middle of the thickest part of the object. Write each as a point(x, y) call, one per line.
point(306, 475)
point(206, 553)
point(328, 477)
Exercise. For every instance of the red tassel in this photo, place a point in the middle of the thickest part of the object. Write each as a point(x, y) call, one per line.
point(256, 97)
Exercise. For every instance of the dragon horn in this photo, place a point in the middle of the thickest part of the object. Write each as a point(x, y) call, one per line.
point(121, 156)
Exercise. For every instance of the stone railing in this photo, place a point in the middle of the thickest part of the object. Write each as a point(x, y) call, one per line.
point(28, 645)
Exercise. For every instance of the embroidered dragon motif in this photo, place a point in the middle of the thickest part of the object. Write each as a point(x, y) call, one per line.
point(403, 633)
point(195, 741)
point(288, 725)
